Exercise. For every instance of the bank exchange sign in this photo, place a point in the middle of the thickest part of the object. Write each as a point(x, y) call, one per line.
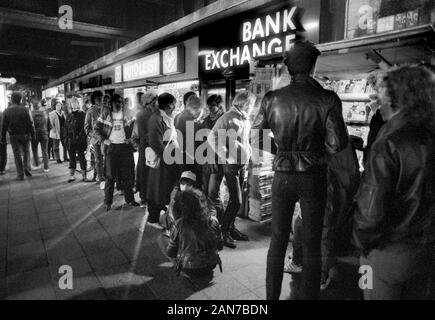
point(266, 35)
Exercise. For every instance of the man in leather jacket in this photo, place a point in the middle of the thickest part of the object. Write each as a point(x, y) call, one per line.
point(395, 205)
point(307, 125)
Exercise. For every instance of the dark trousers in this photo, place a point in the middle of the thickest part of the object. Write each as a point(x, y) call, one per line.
point(43, 141)
point(50, 149)
point(234, 175)
point(74, 154)
point(400, 272)
point(297, 242)
point(118, 165)
point(56, 146)
point(3, 156)
point(21, 147)
point(287, 189)
point(154, 210)
point(99, 161)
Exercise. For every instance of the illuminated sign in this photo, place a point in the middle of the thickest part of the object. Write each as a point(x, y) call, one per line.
point(273, 33)
point(173, 60)
point(146, 67)
point(118, 74)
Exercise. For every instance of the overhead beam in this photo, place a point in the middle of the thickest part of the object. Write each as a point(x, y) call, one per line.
point(200, 18)
point(39, 21)
point(36, 55)
point(159, 3)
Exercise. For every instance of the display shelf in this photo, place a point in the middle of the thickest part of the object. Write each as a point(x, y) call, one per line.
point(357, 97)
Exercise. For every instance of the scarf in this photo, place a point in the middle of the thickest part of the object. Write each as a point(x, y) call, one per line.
point(216, 115)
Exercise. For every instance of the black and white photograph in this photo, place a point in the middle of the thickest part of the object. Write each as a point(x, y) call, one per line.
point(231, 152)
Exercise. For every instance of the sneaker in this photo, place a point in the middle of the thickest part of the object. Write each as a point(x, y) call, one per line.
point(71, 179)
point(102, 185)
point(290, 267)
point(108, 207)
point(133, 204)
point(46, 171)
point(143, 204)
point(229, 241)
point(19, 178)
point(237, 235)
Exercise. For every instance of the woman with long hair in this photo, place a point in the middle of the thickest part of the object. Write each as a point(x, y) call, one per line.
point(196, 239)
point(394, 224)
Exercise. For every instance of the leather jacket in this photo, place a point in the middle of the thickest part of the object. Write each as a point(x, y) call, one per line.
point(307, 124)
point(396, 199)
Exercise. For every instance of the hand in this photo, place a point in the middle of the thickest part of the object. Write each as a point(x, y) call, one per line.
point(107, 142)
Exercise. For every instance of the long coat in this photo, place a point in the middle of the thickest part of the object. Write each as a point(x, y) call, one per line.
point(55, 132)
point(161, 180)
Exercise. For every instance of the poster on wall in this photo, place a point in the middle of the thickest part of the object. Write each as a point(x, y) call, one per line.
point(362, 17)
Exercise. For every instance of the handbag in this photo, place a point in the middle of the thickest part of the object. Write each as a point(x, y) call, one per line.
point(152, 160)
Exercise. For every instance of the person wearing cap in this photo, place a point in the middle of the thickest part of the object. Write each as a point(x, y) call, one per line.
point(140, 137)
point(308, 126)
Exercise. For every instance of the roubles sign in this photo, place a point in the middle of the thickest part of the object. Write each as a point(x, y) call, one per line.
point(261, 36)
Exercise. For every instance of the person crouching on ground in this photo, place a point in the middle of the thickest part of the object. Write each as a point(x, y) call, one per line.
point(76, 139)
point(196, 239)
point(114, 128)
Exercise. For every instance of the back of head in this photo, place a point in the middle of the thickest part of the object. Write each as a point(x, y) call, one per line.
point(35, 102)
point(412, 90)
point(187, 96)
point(165, 99)
point(301, 58)
point(244, 100)
point(16, 97)
point(187, 207)
point(96, 96)
point(193, 103)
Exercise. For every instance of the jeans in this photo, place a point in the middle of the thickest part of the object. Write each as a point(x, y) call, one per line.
point(75, 153)
point(118, 165)
point(99, 161)
point(3, 156)
point(43, 141)
point(50, 149)
point(21, 147)
point(400, 272)
point(287, 189)
point(234, 175)
point(56, 143)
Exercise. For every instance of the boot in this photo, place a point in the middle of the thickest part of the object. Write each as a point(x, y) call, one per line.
point(85, 179)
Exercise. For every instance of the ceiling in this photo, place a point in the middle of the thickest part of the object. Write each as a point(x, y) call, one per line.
point(35, 50)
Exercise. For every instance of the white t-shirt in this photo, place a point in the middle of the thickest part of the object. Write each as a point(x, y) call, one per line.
point(117, 136)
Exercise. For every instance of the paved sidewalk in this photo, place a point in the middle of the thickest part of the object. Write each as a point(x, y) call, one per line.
point(46, 222)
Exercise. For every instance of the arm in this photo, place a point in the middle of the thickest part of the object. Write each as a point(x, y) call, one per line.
point(31, 126)
point(172, 249)
point(375, 198)
point(261, 127)
point(217, 232)
point(156, 133)
point(88, 123)
point(99, 129)
point(336, 131)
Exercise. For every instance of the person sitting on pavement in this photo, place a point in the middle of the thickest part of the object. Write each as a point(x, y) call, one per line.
point(196, 237)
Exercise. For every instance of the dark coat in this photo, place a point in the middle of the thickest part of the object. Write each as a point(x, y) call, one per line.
point(75, 133)
point(140, 138)
point(397, 188)
point(343, 183)
point(40, 120)
point(307, 124)
point(161, 180)
point(375, 126)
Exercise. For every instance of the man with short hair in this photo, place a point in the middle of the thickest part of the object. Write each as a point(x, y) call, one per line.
point(308, 126)
point(90, 121)
point(190, 118)
point(18, 122)
point(40, 121)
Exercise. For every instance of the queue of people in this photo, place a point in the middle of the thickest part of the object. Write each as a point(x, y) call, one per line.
point(388, 213)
